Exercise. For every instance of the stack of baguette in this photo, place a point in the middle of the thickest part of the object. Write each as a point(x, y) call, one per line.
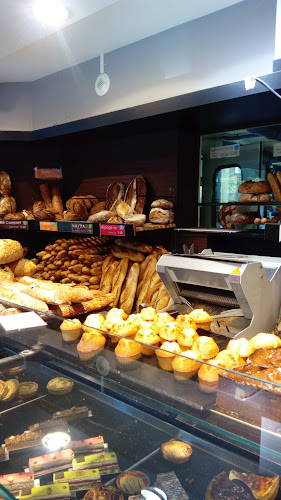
point(74, 260)
point(129, 273)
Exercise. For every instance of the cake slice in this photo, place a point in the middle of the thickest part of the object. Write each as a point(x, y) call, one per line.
point(221, 487)
point(17, 481)
point(106, 462)
point(263, 488)
point(170, 483)
point(50, 491)
point(25, 440)
point(95, 444)
point(72, 413)
point(78, 479)
point(51, 461)
point(60, 424)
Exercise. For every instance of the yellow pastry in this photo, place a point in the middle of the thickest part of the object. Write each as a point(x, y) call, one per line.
point(205, 347)
point(136, 320)
point(187, 337)
point(148, 314)
point(71, 329)
point(166, 354)
point(170, 331)
point(176, 451)
point(94, 321)
point(265, 341)
point(148, 336)
point(90, 345)
point(127, 351)
point(185, 321)
point(229, 359)
point(241, 346)
point(122, 329)
point(208, 376)
point(202, 319)
point(185, 366)
point(114, 316)
point(163, 318)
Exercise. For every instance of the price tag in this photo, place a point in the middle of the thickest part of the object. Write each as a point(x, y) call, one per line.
point(46, 225)
point(48, 173)
point(112, 229)
point(21, 321)
point(82, 227)
point(225, 151)
point(14, 224)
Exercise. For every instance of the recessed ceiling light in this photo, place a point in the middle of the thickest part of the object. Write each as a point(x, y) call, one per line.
point(51, 12)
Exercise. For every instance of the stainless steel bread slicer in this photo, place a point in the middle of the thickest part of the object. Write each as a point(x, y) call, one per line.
point(246, 287)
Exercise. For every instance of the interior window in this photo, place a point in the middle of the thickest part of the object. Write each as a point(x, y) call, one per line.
point(226, 182)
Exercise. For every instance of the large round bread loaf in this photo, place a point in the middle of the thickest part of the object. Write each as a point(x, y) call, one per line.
point(10, 250)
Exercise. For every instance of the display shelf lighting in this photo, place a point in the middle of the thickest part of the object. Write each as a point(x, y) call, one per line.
point(55, 440)
point(250, 82)
point(50, 12)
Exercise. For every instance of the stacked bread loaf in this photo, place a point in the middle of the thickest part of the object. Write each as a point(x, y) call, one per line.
point(8, 204)
point(74, 260)
point(162, 212)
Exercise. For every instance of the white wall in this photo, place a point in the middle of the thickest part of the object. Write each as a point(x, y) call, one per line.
point(15, 106)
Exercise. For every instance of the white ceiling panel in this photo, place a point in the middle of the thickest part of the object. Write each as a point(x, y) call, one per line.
point(29, 51)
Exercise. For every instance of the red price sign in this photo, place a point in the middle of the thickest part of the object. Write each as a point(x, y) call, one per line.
point(112, 229)
point(48, 173)
point(48, 225)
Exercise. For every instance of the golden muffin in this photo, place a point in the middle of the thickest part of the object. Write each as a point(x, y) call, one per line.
point(187, 337)
point(122, 329)
point(202, 319)
point(71, 329)
point(185, 366)
point(148, 336)
point(170, 331)
point(230, 359)
point(265, 341)
point(208, 376)
point(148, 314)
point(166, 354)
point(241, 346)
point(127, 351)
point(176, 451)
point(163, 318)
point(90, 345)
point(205, 347)
point(94, 321)
point(185, 321)
point(136, 320)
point(114, 316)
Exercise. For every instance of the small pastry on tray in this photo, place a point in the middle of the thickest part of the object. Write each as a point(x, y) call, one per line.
point(166, 354)
point(148, 314)
point(59, 386)
point(229, 359)
point(169, 332)
point(186, 365)
point(208, 376)
point(186, 338)
point(17, 481)
point(51, 461)
point(178, 452)
point(205, 347)
point(49, 491)
point(185, 321)
point(71, 329)
point(94, 445)
point(106, 462)
point(12, 386)
point(149, 337)
point(132, 482)
point(103, 492)
point(114, 316)
point(202, 319)
point(27, 390)
point(163, 318)
point(78, 480)
point(265, 341)
point(122, 329)
point(27, 439)
point(241, 346)
point(59, 424)
point(90, 345)
point(221, 487)
point(127, 351)
point(168, 482)
point(72, 413)
point(94, 321)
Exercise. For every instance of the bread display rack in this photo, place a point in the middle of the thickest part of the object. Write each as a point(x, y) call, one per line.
point(247, 288)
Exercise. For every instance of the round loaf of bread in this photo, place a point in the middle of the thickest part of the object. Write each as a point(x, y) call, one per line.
point(10, 250)
point(159, 216)
point(252, 187)
point(165, 204)
point(249, 198)
point(5, 183)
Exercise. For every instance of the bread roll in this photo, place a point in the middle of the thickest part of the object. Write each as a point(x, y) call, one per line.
point(23, 267)
point(99, 207)
point(46, 195)
point(165, 204)
point(134, 245)
point(99, 302)
point(124, 210)
point(5, 183)
point(118, 279)
point(102, 216)
point(7, 205)
point(115, 220)
point(16, 216)
point(56, 200)
point(70, 216)
point(10, 250)
point(77, 207)
point(127, 297)
point(159, 216)
point(255, 187)
point(120, 253)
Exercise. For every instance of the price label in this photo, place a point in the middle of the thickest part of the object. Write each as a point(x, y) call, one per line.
point(112, 229)
point(48, 173)
point(81, 227)
point(225, 151)
point(21, 321)
point(14, 224)
point(46, 225)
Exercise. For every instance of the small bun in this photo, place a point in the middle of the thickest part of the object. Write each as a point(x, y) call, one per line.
point(176, 451)
point(205, 347)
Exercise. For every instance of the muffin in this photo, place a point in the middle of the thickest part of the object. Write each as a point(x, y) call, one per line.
point(265, 341)
point(185, 366)
point(127, 351)
point(113, 317)
point(208, 376)
point(230, 359)
point(136, 320)
point(241, 346)
point(163, 318)
point(148, 336)
point(90, 345)
point(166, 354)
point(122, 329)
point(186, 338)
point(205, 347)
point(71, 329)
point(202, 319)
point(185, 321)
point(148, 314)
point(94, 321)
point(170, 331)
point(177, 452)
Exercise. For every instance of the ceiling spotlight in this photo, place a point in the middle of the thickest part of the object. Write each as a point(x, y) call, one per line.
point(50, 12)
point(56, 440)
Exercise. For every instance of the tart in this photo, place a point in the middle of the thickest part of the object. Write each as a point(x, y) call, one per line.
point(148, 336)
point(185, 321)
point(166, 354)
point(202, 319)
point(15, 371)
point(170, 332)
point(13, 387)
point(185, 366)
point(205, 347)
point(103, 492)
point(263, 488)
point(60, 386)
point(132, 482)
point(27, 390)
point(71, 329)
point(127, 351)
point(222, 488)
point(187, 337)
point(178, 452)
point(90, 345)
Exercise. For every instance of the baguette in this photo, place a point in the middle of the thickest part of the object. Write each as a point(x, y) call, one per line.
point(73, 293)
point(134, 245)
point(99, 302)
point(121, 253)
point(276, 189)
point(49, 296)
point(163, 298)
point(145, 284)
point(150, 264)
point(118, 279)
point(46, 195)
point(106, 284)
point(19, 298)
point(56, 200)
point(154, 285)
point(127, 296)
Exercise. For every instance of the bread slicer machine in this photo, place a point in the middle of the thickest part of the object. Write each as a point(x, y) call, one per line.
point(246, 287)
